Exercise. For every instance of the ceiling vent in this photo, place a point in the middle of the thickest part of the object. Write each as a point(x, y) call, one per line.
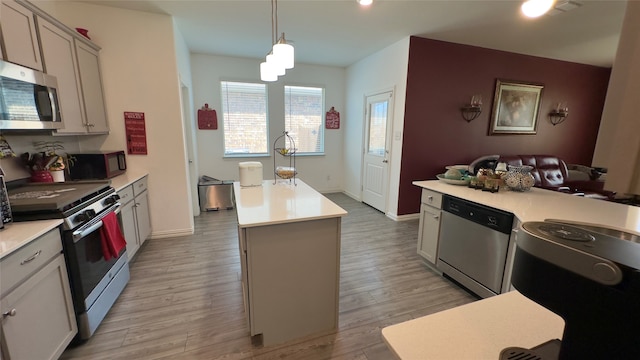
point(563, 6)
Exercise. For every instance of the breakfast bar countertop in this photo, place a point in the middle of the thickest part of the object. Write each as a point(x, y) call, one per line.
point(540, 204)
point(479, 330)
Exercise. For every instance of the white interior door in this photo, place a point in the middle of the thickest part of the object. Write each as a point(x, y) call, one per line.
point(192, 173)
point(375, 172)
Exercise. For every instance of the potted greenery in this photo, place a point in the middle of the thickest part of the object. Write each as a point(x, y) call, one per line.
point(56, 163)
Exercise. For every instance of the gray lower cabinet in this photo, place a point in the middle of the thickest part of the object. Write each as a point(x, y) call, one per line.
point(38, 320)
point(134, 215)
point(429, 228)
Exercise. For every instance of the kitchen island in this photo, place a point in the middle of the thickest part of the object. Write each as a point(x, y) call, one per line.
point(289, 238)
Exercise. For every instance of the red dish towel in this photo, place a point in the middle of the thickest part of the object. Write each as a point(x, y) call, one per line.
point(112, 239)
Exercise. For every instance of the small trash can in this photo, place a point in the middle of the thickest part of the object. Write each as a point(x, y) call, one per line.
point(215, 194)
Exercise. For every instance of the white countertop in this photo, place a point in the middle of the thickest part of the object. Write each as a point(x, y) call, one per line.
point(281, 203)
point(129, 177)
point(540, 204)
point(478, 331)
point(16, 235)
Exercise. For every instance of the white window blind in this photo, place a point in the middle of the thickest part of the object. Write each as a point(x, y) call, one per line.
point(303, 110)
point(244, 111)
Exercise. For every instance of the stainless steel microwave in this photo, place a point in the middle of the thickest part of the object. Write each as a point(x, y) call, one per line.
point(97, 165)
point(28, 99)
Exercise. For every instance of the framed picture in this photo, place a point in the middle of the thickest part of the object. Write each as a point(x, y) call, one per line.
point(515, 107)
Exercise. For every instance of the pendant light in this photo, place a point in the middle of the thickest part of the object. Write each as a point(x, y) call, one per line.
point(281, 57)
point(284, 52)
point(267, 72)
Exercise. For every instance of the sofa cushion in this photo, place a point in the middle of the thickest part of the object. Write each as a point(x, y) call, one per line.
point(549, 171)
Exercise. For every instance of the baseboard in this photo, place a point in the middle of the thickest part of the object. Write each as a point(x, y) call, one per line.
point(404, 217)
point(171, 233)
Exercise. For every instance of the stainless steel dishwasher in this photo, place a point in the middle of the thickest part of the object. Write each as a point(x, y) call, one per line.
point(473, 244)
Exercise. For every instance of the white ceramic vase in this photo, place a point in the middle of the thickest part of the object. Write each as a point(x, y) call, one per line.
point(58, 175)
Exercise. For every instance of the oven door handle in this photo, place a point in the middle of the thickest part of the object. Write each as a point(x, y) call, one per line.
point(95, 223)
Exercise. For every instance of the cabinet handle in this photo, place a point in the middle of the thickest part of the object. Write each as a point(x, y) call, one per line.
point(436, 217)
point(430, 198)
point(31, 258)
point(11, 312)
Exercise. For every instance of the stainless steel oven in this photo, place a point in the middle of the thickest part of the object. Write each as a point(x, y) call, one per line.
point(95, 282)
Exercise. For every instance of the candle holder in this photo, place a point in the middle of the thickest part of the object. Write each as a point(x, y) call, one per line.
point(472, 110)
point(558, 115)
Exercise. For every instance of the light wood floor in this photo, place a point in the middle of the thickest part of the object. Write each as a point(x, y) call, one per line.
point(184, 300)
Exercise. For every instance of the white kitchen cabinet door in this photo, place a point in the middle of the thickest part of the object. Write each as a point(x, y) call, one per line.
point(129, 231)
point(42, 321)
point(59, 58)
point(92, 90)
point(142, 217)
point(428, 233)
point(19, 37)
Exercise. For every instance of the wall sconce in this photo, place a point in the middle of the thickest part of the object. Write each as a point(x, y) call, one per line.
point(472, 110)
point(559, 114)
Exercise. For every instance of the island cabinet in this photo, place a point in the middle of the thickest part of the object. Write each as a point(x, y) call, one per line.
point(134, 215)
point(429, 227)
point(38, 320)
point(289, 238)
point(19, 39)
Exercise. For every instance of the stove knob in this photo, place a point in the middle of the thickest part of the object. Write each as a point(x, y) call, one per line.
point(85, 216)
point(111, 200)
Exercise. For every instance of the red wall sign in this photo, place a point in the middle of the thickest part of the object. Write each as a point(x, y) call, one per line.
point(207, 118)
point(333, 119)
point(136, 133)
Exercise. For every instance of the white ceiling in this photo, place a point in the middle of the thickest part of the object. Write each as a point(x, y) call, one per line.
point(340, 32)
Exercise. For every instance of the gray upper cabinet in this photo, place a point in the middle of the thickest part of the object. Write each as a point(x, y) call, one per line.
point(93, 95)
point(59, 54)
point(33, 38)
point(19, 39)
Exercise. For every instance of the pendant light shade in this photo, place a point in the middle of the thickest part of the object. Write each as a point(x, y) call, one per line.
point(267, 72)
point(284, 52)
point(276, 64)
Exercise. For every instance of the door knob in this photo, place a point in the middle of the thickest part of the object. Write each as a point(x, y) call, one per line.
point(385, 161)
point(11, 312)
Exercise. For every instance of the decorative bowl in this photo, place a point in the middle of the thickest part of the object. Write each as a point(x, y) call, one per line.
point(464, 181)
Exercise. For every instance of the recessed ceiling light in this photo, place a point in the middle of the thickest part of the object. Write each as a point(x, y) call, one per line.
point(535, 8)
point(365, 2)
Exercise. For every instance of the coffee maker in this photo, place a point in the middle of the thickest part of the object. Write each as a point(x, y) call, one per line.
point(588, 275)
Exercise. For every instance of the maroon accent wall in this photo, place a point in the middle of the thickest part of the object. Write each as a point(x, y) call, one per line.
point(443, 76)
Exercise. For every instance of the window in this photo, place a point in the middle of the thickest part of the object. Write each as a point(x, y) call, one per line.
point(303, 107)
point(244, 110)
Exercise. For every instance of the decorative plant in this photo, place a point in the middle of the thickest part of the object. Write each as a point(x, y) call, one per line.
point(54, 160)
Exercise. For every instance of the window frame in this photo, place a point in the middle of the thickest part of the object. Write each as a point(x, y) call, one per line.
point(322, 114)
point(226, 154)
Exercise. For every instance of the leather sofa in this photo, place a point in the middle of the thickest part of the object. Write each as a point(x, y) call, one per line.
point(550, 172)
